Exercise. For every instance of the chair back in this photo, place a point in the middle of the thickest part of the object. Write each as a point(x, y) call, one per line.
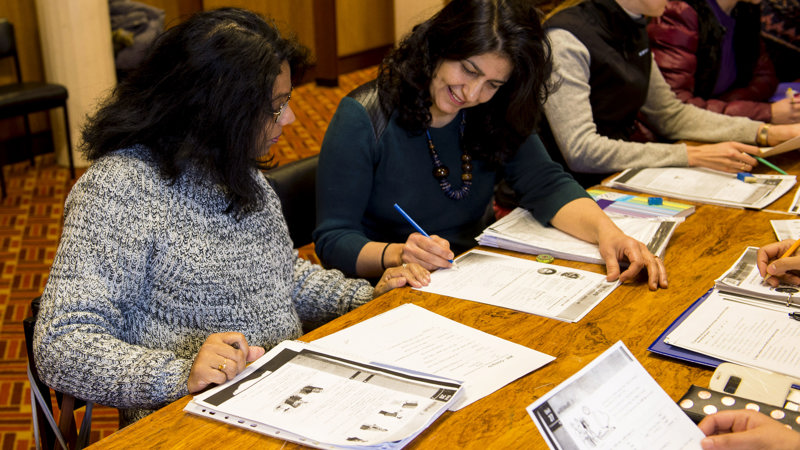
point(8, 45)
point(296, 186)
point(47, 433)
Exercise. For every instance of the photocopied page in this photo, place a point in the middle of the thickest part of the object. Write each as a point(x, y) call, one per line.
point(524, 285)
point(744, 278)
point(412, 337)
point(323, 400)
point(705, 185)
point(613, 403)
point(519, 231)
point(735, 329)
point(786, 229)
point(795, 207)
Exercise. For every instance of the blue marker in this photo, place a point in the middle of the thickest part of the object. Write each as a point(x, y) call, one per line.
point(414, 224)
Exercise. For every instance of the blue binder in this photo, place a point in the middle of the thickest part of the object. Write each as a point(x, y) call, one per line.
point(662, 348)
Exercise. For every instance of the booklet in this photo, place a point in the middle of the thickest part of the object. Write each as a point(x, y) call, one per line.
point(319, 399)
point(783, 147)
point(744, 321)
point(414, 338)
point(520, 232)
point(705, 185)
point(617, 203)
point(612, 403)
point(547, 290)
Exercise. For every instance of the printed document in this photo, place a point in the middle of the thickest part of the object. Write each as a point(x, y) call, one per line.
point(745, 279)
point(414, 338)
point(786, 229)
point(519, 231)
point(544, 289)
point(317, 398)
point(613, 403)
point(705, 185)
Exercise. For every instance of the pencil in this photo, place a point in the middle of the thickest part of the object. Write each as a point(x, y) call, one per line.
point(414, 224)
point(790, 95)
point(770, 165)
point(787, 254)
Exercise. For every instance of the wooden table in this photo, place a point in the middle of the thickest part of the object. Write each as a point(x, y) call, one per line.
point(701, 249)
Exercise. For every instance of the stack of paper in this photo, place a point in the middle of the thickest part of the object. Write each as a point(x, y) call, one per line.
point(616, 203)
point(705, 186)
point(519, 231)
point(323, 400)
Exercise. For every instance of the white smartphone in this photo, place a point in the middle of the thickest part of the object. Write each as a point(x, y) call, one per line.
point(754, 384)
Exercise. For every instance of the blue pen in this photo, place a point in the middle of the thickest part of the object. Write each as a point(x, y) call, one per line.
point(414, 224)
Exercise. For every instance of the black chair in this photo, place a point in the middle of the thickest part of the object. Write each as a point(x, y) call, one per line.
point(296, 184)
point(23, 98)
point(47, 433)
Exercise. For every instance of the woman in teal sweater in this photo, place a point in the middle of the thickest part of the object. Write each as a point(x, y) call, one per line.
point(452, 112)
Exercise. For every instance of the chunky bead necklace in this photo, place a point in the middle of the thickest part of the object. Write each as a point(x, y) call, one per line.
point(440, 171)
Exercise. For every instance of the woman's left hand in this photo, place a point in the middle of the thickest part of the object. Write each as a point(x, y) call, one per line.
point(616, 246)
point(394, 277)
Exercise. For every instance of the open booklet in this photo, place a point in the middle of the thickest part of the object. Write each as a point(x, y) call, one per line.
point(612, 403)
point(520, 232)
point(704, 185)
point(548, 290)
point(783, 147)
point(744, 321)
point(322, 400)
point(786, 229)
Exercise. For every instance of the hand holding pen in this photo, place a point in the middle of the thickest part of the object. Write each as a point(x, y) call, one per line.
point(430, 252)
point(777, 263)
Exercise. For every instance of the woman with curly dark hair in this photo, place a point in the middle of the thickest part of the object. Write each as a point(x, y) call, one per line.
point(452, 111)
point(175, 265)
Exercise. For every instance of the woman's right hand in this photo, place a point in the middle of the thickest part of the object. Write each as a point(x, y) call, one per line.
point(221, 357)
point(429, 252)
point(785, 111)
point(729, 157)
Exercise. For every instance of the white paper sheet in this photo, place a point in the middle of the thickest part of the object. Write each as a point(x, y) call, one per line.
point(414, 338)
point(613, 403)
point(545, 289)
point(705, 186)
point(786, 229)
point(744, 278)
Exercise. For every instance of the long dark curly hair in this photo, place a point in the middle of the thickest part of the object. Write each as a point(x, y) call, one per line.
point(203, 95)
point(462, 29)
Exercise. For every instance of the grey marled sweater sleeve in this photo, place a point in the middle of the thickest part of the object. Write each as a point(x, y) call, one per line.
point(147, 269)
point(570, 116)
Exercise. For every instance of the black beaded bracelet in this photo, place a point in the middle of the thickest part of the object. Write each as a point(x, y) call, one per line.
point(383, 265)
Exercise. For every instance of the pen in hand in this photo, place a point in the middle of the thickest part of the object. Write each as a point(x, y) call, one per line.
point(786, 254)
point(414, 224)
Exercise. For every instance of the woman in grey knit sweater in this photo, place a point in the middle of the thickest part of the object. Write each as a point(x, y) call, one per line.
point(175, 265)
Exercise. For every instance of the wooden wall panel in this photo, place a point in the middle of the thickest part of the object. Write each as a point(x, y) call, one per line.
point(363, 25)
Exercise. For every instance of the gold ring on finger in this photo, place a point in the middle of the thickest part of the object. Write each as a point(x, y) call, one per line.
point(223, 366)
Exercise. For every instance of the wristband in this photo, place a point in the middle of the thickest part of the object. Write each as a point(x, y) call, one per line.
point(383, 253)
point(763, 135)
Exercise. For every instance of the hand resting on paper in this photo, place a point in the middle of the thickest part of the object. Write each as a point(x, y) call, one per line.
point(746, 429)
point(585, 220)
point(781, 270)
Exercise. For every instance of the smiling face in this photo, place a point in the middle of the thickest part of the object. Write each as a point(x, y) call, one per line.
point(281, 91)
point(466, 83)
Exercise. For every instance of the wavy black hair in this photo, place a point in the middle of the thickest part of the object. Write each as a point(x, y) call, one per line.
point(465, 28)
point(203, 95)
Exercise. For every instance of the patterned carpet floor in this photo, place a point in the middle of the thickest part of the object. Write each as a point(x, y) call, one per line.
point(30, 226)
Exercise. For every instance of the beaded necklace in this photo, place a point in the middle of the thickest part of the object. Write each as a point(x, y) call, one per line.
point(440, 171)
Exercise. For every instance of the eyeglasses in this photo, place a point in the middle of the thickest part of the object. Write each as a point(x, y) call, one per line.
point(277, 114)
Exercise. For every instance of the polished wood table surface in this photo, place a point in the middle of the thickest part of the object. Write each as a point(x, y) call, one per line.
point(702, 248)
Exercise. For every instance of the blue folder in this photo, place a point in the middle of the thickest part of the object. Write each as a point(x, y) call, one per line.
point(662, 348)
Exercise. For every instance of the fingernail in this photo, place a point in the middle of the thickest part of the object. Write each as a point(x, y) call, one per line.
point(771, 269)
